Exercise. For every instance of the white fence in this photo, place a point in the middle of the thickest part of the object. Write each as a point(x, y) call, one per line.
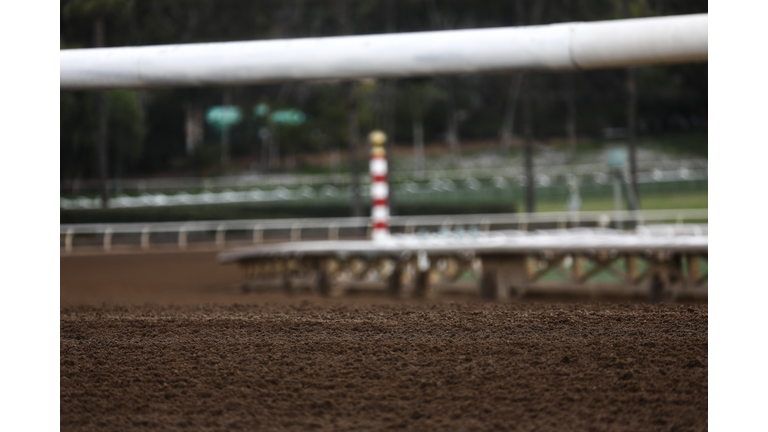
point(361, 226)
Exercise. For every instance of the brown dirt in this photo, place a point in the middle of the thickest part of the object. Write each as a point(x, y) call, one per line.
point(164, 342)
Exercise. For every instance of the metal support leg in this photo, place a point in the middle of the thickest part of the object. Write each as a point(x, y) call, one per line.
point(322, 283)
point(502, 273)
point(656, 287)
point(426, 275)
point(488, 289)
point(421, 284)
point(395, 281)
point(633, 268)
point(288, 283)
point(666, 277)
point(68, 239)
point(579, 270)
point(694, 270)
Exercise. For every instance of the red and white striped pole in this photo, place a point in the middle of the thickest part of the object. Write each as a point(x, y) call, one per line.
point(379, 188)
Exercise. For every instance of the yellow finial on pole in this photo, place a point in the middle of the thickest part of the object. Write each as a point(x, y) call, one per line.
point(377, 139)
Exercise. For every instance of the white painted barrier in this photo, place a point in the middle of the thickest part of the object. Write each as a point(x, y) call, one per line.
point(554, 47)
point(474, 224)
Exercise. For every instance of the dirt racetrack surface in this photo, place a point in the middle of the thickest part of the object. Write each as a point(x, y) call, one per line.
point(165, 342)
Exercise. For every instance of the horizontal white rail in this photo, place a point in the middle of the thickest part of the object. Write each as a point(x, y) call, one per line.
point(504, 242)
point(409, 222)
point(447, 223)
point(555, 47)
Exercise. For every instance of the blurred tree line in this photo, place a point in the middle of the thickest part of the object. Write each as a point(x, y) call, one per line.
point(154, 130)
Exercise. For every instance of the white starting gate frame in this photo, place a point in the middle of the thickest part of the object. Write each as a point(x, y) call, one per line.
point(660, 263)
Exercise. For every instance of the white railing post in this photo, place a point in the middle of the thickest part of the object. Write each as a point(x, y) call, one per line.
point(220, 233)
point(296, 232)
point(69, 239)
point(108, 239)
point(410, 227)
point(604, 220)
point(183, 238)
point(522, 224)
point(333, 231)
point(145, 238)
point(562, 222)
point(447, 224)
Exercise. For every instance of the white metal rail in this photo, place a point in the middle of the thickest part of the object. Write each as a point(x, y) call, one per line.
point(406, 224)
point(555, 47)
